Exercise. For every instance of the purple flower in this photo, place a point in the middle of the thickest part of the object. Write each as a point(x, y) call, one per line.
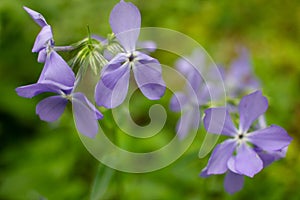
point(112, 87)
point(247, 152)
point(44, 40)
point(193, 95)
point(57, 77)
point(240, 77)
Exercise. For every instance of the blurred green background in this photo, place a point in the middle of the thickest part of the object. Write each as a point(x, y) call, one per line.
point(48, 161)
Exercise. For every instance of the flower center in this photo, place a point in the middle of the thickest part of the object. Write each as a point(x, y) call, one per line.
point(240, 136)
point(67, 96)
point(131, 57)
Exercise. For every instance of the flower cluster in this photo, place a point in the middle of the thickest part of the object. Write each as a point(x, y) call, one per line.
point(251, 147)
point(116, 59)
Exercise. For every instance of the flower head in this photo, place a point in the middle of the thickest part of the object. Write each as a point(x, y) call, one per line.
point(111, 90)
point(246, 152)
point(57, 77)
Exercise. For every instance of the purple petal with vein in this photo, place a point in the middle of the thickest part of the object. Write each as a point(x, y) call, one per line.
point(42, 39)
point(29, 91)
point(51, 108)
point(247, 161)
point(112, 88)
point(125, 21)
point(56, 71)
point(270, 139)
point(85, 118)
point(148, 76)
point(37, 17)
point(217, 163)
point(218, 121)
point(250, 108)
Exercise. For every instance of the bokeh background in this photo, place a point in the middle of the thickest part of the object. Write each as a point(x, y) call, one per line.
point(48, 161)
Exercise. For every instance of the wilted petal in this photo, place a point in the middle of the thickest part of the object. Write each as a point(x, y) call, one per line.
point(148, 76)
point(29, 91)
point(111, 90)
point(57, 71)
point(51, 108)
point(250, 108)
point(37, 17)
point(247, 161)
point(270, 139)
point(125, 21)
point(42, 39)
point(86, 119)
point(218, 121)
point(178, 101)
point(188, 121)
point(217, 163)
point(233, 182)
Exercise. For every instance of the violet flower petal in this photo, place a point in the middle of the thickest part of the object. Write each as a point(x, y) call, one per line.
point(247, 161)
point(270, 139)
point(125, 21)
point(51, 108)
point(217, 163)
point(233, 182)
point(37, 17)
point(188, 121)
point(148, 76)
point(42, 39)
point(178, 101)
point(271, 156)
point(240, 75)
point(42, 55)
point(112, 88)
point(203, 173)
point(29, 91)
point(57, 72)
point(218, 121)
point(250, 108)
point(85, 117)
point(80, 96)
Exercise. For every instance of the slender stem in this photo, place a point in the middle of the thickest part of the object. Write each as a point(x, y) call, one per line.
point(119, 182)
point(63, 48)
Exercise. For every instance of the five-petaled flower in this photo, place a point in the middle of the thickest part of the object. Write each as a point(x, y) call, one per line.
point(111, 90)
point(57, 77)
point(247, 152)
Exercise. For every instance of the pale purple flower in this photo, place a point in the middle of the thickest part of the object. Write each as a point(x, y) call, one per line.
point(247, 151)
point(189, 100)
point(240, 77)
point(111, 90)
point(44, 39)
point(57, 77)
